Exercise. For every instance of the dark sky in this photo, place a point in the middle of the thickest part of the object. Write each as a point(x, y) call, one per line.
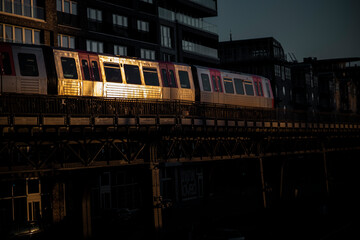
point(317, 28)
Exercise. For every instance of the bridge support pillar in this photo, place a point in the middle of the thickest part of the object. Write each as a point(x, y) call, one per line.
point(156, 195)
point(86, 212)
point(262, 181)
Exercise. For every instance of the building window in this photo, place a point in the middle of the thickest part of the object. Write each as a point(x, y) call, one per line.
point(27, 8)
point(94, 46)
point(143, 26)
point(19, 34)
point(277, 71)
point(120, 50)
point(94, 14)
point(147, 1)
point(66, 41)
point(66, 6)
point(147, 54)
point(165, 36)
point(119, 20)
point(288, 73)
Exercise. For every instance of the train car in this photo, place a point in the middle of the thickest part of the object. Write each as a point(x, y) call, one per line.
point(226, 87)
point(177, 81)
point(130, 78)
point(22, 69)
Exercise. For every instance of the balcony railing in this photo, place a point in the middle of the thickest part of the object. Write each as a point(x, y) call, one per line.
point(25, 10)
point(206, 3)
point(197, 23)
point(199, 49)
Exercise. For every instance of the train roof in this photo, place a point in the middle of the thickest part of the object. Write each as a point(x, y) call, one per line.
point(230, 71)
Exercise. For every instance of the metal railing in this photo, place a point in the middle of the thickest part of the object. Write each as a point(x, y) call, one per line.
point(197, 23)
point(13, 104)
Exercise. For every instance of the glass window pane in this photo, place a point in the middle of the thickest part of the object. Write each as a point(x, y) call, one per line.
point(229, 87)
point(18, 35)
point(99, 16)
point(219, 84)
point(184, 79)
point(59, 5)
point(27, 8)
point(69, 68)
point(72, 42)
point(36, 37)
point(95, 70)
point(151, 76)
point(66, 6)
point(74, 8)
point(249, 88)
point(206, 82)
point(239, 86)
point(17, 7)
point(8, 33)
point(85, 67)
point(65, 41)
point(213, 80)
point(112, 72)
point(28, 36)
point(164, 77)
point(28, 64)
point(132, 74)
point(172, 79)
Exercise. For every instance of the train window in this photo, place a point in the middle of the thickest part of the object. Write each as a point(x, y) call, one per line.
point(219, 84)
point(112, 72)
point(95, 69)
point(214, 84)
point(206, 82)
point(69, 68)
point(184, 79)
point(172, 79)
point(132, 74)
point(261, 89)
point(165, 79)
point(239, 87)
point(151, 76)
point(249, 88)
point(5, 63)
point(28, 64)
point(85, 67)
point(229, 87)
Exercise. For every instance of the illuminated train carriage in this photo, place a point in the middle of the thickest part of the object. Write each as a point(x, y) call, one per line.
point(22, 69)
point(219, 86)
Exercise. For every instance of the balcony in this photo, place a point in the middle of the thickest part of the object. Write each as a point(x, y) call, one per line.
point(199, 49)
point(206, 3)
point(20, 9)
point(197, 23)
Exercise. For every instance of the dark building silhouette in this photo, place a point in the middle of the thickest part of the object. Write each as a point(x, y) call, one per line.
point(263, 56)
point(150, 29)
point(326, 85)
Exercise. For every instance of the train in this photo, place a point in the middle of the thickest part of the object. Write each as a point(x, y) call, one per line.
point(45, 70)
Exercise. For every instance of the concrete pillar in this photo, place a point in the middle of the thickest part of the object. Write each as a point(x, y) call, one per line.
point(58, 202)
point(86, 212)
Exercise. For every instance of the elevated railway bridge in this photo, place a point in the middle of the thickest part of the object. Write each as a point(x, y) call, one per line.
point(48, 137)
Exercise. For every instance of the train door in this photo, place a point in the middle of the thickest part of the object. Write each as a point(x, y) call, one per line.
point(7, 71)
point(91, 75)
point(169, 81)
point(259, 91)
point(217, 87)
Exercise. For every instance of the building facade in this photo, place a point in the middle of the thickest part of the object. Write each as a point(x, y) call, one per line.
point(330, 85)
point(264, 57)
point(149, 29)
